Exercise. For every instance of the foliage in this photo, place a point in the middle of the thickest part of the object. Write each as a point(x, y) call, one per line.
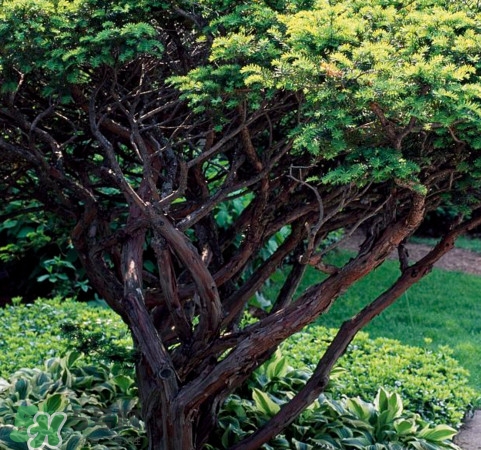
point(22, 233)
point(141, 126)
point(102, 410)
point(431, 383)
point(346, 423)
point(47, 328)
point(100, 403)
point(34, 249)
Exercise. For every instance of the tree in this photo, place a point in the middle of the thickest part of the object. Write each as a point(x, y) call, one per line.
point(192, 149)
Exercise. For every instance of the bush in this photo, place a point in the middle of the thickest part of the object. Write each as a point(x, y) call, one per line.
point(101, 411)
point(431, 384)
point(35, 332)
point(344, 424)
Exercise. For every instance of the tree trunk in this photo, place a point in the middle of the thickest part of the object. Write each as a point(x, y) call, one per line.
point(166, 424)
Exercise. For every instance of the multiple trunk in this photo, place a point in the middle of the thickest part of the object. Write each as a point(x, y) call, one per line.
point(180, 399)
point(146, 179)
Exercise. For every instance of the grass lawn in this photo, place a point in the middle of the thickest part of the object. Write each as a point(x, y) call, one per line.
point(464, 242)
point(443, 309)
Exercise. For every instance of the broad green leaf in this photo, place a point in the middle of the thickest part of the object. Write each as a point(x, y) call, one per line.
point(75, 442)
point(405, 427)
point(278, 366)
point(123, 382)
point(53, 403)
point(21, 387)
point(362, 409)
point(98, 433)
point(395, 405)
point(438, 433)
point(264, 402)
point(298, 445)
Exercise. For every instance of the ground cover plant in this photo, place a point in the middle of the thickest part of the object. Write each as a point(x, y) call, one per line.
point(344, 424)
point(187, 150)
point(101, 410)
point(100, 403)
point(432, 384)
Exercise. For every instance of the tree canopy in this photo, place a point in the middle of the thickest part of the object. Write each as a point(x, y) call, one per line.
point(193, 148)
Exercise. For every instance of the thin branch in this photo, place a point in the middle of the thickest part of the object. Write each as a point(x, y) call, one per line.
point(234, 304)
point(220, 144)
point(115, 168)
point(314, 229)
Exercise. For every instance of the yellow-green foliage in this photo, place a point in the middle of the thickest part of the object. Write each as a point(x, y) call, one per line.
point(34, 332)
point(431, 383)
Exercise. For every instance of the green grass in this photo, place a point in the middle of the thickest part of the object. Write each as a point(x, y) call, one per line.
point(464, 242)
point(442, 309)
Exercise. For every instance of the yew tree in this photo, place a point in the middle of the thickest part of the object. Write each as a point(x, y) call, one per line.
point(193, 149)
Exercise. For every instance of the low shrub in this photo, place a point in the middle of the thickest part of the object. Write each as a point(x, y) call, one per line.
point(34, 332)
point(431, 383)
point(342, 424)
point(96, 407)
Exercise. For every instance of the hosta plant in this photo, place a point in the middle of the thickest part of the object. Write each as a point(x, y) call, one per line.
point(99, 403)
point(343, 424)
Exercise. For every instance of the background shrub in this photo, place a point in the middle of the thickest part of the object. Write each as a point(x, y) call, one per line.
point(431, 383)
point(37, 331)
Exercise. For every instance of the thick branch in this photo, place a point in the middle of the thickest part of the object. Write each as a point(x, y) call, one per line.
point(206, 287)
point(346, 333)
point(169, 287)
point(275, 328)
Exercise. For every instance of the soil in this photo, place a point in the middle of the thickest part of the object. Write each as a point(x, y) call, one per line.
point(469, 438)
point(459, 260)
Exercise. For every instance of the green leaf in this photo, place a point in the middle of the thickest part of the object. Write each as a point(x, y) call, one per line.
point(75, 442)
point(362, 409)
point(72, 357)
point(53, 403)
point(298, 445)
point(278, 366)
point(438, 434)
point(21, 386)
point(405, 427)
point(359, 443)
point(123, 382)
point(98, 433)
point(395, 405)
point(264, 403)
